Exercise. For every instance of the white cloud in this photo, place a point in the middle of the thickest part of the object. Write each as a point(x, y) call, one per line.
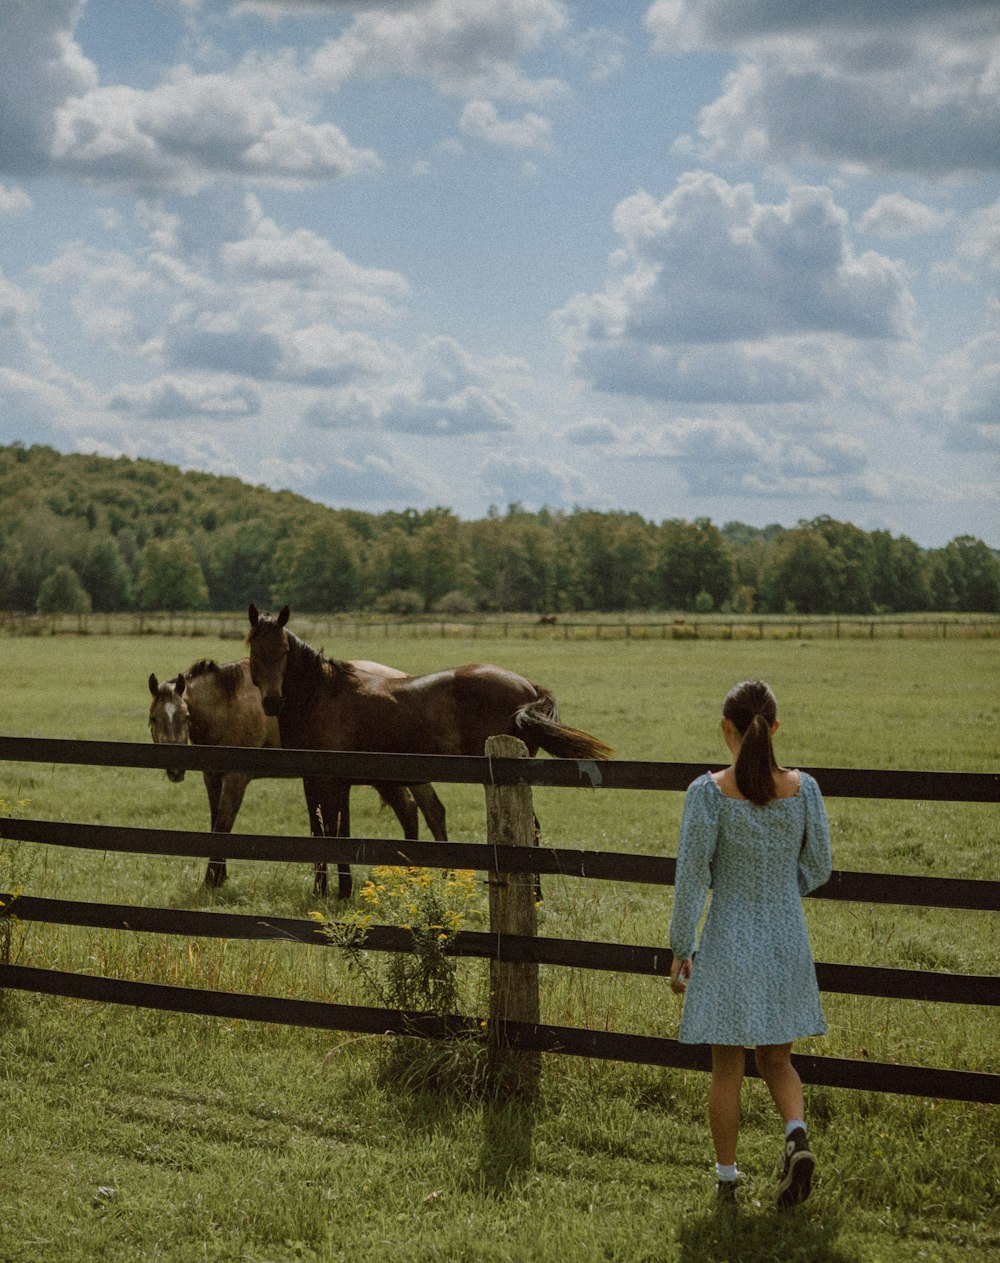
point(534, 482)
point(980, 239)
point(963, 392)
point(170, 398)
point(891, 86)
point(481, 121)
point(463, 49)
point(300, 266)
point(442, 393)
point(894, 215)
point(195, 129)
point(14, 201)
point(718, 297)
point(41, 66)
point(591, 432)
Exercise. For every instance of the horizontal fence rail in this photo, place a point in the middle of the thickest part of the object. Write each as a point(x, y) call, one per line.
point(414, 769)
point(898, 984)
point(656, 870)
point(648, 1050)
point(226, 625)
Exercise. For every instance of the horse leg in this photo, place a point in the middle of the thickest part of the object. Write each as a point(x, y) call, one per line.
point(329, 817)
point(230, 799)
point(433, 810)
point(215, 874)
point(399, 798)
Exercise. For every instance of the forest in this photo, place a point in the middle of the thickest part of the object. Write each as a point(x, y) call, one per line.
point(83, 533)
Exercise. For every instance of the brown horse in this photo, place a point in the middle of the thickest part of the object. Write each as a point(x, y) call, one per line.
point(325, 704)
point(209, 704)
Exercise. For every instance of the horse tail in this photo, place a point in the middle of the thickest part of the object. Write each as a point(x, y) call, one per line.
point(538, 723)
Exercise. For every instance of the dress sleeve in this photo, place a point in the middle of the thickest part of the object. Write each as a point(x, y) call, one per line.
point(815, 858)
point(699, 829)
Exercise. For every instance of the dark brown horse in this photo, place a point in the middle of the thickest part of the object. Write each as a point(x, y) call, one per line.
point(215, 705)
point(325, 704)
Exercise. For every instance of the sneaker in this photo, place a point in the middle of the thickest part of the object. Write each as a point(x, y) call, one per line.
point(797, 1173)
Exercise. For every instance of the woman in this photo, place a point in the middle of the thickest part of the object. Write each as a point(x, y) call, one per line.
point(757, 835)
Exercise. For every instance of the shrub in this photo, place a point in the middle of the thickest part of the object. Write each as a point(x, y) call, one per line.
point(400, 601)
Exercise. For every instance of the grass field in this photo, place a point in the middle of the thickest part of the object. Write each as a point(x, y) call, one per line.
point(127, 1134)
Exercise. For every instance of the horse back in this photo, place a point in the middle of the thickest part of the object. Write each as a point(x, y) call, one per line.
point(225, 707)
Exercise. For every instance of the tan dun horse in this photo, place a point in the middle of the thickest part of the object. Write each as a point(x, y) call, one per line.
point(209, 704)
point(326, 704)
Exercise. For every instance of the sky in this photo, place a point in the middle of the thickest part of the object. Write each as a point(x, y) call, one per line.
point(686, 258)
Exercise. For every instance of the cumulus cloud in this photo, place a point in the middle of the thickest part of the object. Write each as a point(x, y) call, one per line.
point(814, 77)
point(194, 129)
point(359, 472)
point(963, 392)
point(300, 266)
point(41, 66)
point(980, 238)
point(481, 121)
point(534, 482)
point(172, 398)
point(726, 455)
point(718, 297)
point(13, 201)
point(466, 50)
point(894, 215)
point(442, 392)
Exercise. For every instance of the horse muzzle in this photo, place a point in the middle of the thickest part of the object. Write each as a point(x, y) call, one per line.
point(175, 774)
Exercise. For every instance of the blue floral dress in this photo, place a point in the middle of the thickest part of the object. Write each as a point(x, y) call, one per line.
point(753, 980)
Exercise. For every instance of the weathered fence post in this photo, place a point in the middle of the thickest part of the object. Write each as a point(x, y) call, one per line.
point(510, 821)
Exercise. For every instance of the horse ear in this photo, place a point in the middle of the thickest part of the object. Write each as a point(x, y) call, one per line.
point(284, 616)
point(154, 686)
point(179, 685)
point(254, 614)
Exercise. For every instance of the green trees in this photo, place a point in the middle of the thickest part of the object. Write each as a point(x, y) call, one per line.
point(62, 593)
point(318, 569)
point(694, 564)
point(170, 576)
point(106, 577)
point(141, 533)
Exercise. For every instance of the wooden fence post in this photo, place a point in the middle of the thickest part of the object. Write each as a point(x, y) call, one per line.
point(510, 821)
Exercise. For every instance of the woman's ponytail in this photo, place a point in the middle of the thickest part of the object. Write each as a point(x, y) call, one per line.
point(752, 709)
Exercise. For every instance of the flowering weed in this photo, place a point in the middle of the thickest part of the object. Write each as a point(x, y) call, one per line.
point(427, 977)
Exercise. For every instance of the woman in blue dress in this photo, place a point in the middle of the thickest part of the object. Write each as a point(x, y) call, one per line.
point(755, 834)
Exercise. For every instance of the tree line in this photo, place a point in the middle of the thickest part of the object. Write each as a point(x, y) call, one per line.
point(81, 533)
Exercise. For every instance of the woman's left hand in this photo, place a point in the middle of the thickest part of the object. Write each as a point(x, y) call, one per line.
point(680, 970)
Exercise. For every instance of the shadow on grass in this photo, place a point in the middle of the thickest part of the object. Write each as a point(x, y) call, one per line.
point(727, 1236)
point(507, 1152)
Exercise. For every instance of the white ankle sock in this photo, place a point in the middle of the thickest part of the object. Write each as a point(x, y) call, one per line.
point(792, 1124)
point(725, 1173)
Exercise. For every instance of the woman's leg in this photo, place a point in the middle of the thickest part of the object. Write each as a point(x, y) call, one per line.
point(728, 1062)
point(774, 1061)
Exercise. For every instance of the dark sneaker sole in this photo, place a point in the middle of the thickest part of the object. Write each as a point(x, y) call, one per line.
point(797, 1184)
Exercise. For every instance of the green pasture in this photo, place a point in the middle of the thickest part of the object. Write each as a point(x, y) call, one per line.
point(127, 1134)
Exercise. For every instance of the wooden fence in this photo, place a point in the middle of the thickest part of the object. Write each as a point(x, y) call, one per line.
point(233, 626)
point(508, 860)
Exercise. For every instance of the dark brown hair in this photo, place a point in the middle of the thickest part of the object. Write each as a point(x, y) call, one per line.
point(752, 709)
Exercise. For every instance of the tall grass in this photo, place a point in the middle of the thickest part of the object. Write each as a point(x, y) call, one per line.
point(128, 1134)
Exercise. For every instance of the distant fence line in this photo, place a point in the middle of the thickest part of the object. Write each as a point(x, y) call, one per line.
point(233, 626)
point(506, 854)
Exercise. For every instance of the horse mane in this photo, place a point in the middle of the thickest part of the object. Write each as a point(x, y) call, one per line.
point(318, 669)
point(229, 676)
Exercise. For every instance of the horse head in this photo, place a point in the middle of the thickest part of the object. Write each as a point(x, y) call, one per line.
point(269, 645)
point(169, 717)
